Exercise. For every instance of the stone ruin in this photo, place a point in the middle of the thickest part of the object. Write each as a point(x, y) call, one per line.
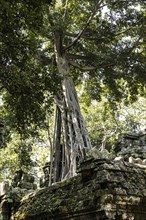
point(104, 188)
point(44, 180)
point(132, 148)
point(10, 195)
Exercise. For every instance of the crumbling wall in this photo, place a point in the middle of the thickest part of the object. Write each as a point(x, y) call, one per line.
point(11, 194)
point(103, 189)
point(132, 145)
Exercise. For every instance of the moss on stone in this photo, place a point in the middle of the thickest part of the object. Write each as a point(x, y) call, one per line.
point(109, 188)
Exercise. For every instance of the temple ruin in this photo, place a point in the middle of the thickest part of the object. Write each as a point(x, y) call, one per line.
point(104, 188)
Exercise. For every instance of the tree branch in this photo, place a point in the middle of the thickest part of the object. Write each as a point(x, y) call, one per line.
point(94, 38)
point(66, 9)
point(86, 68)
point(75, 56)
point(83, 36)
point(85, 27)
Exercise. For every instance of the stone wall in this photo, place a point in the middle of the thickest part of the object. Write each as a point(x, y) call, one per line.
point(132, 145)
point(11, 194)
point(103, 189)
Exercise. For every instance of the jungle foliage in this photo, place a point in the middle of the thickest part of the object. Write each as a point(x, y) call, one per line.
point(102, 44)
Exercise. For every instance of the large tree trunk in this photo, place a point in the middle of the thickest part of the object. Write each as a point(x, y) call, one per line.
point(70, 136)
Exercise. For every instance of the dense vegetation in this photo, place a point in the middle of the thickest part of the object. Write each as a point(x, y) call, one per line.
point(50, 46)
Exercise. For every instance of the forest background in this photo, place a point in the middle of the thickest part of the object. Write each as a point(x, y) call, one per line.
point(49, 48)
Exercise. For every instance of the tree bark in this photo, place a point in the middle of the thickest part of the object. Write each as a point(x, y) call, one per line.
point(71, 139)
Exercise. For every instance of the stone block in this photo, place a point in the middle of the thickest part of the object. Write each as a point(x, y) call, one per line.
point(4, 187)
point(28, 178)
point(26, 185)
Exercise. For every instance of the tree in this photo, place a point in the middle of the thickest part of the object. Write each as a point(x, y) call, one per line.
point(29, 155)
point(106, 124)
point(80, 41)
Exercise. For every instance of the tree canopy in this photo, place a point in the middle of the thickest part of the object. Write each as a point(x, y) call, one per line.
point(47, 46)
point(104, 43)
